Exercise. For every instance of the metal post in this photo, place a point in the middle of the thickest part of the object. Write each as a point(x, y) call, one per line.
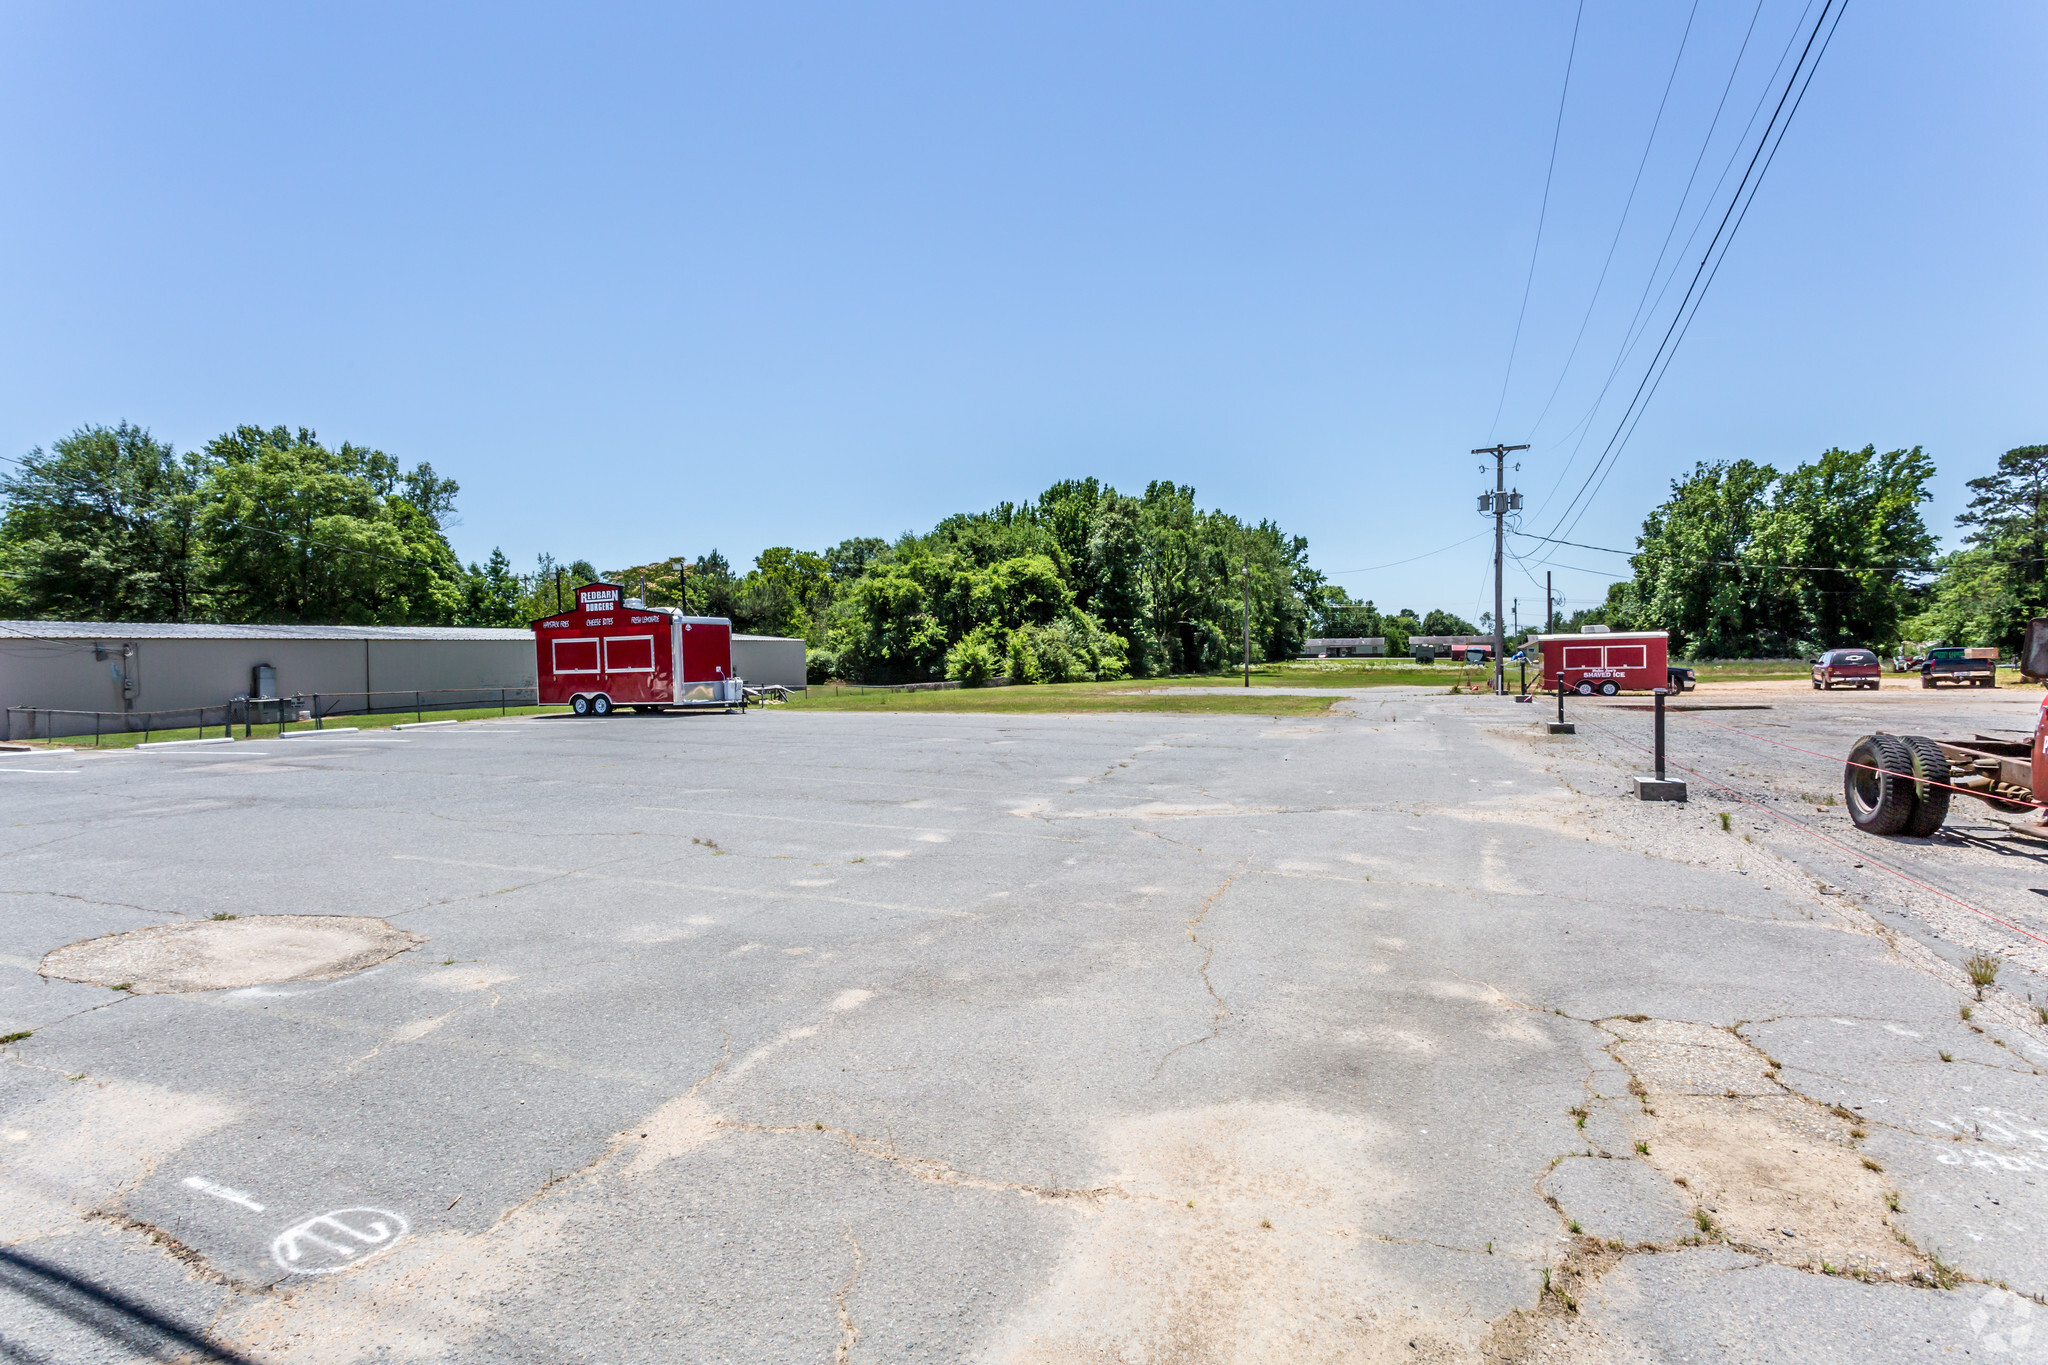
point(417, 714)
point(1659, 693)
point(1524, 666)
point(1560, 699)
point(1247, 619)
point(318, 723)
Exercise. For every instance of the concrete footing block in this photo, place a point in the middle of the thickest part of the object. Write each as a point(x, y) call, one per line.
point(1562, 727)
point(1659, 789)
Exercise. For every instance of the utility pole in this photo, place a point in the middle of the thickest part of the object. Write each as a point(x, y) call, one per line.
point(1499, 502)
point(1247, 619)
point(1549, 606)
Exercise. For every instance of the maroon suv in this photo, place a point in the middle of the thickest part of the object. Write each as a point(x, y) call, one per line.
point(1853, 667)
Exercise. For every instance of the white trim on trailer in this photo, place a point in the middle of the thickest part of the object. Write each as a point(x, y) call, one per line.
point(611, 640)
point(555, 655)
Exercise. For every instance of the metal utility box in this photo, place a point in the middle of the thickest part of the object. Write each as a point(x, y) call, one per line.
point(1607, 662)
point(610, 650)
point(262, 681)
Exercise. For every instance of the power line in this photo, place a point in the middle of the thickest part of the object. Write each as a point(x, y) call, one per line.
point(1542, 213)
point(1373, 568)
point(1724, 235)
point(1628, 204)
point(1677, 215)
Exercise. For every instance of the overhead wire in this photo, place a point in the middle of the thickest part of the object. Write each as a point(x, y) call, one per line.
point(1724, 233)
point(1629, 332)
point(1627, 204)
point(1542, 214)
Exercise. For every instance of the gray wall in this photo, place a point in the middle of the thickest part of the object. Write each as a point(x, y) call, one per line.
point(174, 674)
point(178, 673)
point(768, 660)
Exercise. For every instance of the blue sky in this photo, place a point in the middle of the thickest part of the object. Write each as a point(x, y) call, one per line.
point(652, 280)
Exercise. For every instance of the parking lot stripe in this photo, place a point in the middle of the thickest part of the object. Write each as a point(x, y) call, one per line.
point(770, 893)
point(860, 824)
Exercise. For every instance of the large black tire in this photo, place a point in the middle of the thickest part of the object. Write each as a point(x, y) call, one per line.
point(1930, 802)
point(600, 705)
point(1584, 688)
point(580, 704)
point(1609, 688)
point(1877, 784)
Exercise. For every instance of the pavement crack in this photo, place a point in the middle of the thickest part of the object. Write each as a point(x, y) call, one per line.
point(849, 1331)
point(88, 900)
point(1208, 955)
point(190, 1257)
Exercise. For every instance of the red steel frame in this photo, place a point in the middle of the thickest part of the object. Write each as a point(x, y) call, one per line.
point(632, 656)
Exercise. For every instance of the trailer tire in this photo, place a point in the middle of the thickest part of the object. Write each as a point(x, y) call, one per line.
point(1609, 688)
point(600, 705)
point(1930, 791)
point(1583, 688)
point(1877, 784)
point(580, 704)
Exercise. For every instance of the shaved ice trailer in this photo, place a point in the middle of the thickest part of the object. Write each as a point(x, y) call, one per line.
point(611, 650)
point(1608, 662)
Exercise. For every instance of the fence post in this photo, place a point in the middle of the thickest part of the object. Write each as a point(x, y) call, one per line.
point(501, 702)
point(319, 723)
point(417, 714)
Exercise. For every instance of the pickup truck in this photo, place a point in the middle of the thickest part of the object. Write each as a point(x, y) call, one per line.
point(1963, 667)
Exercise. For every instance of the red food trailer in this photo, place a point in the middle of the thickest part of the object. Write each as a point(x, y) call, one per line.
point(1607, 662)
point(611, 650)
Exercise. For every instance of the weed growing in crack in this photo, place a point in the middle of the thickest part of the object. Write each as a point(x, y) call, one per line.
point(1983, 970)
point(1966, 1011)
point(1681, 1181)
point(1191, 1203)
point(1546, 1279)
point(819, 1127)
point(128, 986)
point(2042, 1012)
point(1726, 822)
point(1576, 1230)
point(6, 1038)
point(220, 914)
point(1642, 1149)
point(1266, 1223)
point(1945, 1056)
point(1489, 1248)
point(1945, 1275)
point(1857, 1134)
point(1870, 1165)
point(1704, 1221)
point(1891, 1200)
point(1578, 1112)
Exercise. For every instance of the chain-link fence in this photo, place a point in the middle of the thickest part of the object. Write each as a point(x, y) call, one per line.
point(250, 713)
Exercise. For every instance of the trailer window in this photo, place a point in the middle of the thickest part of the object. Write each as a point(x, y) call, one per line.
point(629, 654)
point(1582, 656)
point(575, 656)
point(1628, 656)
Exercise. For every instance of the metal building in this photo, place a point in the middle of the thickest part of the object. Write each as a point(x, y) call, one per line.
point(127, 666)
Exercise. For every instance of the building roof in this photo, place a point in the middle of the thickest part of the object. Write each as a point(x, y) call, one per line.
point(181, 630)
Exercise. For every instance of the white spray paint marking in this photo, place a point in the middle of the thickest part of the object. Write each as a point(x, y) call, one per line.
point(851, 1000)
point(2003, 1321)
point(1902, 1032)
point(205, 1186)
point(335, 1241)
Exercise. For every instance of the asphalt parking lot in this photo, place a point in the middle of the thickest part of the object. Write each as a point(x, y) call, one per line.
point(1391, 1034)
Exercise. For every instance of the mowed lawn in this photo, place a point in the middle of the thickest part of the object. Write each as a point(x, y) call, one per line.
point(1054, 698)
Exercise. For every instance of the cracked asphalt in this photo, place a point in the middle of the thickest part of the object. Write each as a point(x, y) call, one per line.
point(1392, 1034)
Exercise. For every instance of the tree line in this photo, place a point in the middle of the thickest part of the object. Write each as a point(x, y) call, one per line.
point(273, 525)
point(1743, 560)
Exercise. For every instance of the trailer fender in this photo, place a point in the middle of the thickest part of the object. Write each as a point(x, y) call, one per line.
point(2040, 755)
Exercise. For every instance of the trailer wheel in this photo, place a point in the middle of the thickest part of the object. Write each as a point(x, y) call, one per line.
point(1930, 801)
point(1609, 688)
point(580, 704)
point(600, 705)
point(1584, 688)
point(1880, 801)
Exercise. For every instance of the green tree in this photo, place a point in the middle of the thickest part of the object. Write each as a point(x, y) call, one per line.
point(1988, 592)
point(491, 595)
point(1852, 518)
point(299, 533)
point(104, 526)
point(1440, 622)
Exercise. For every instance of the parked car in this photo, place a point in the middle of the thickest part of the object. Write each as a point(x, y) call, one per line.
point(1680, 678)
point(1963, 667)
point(1853, 667)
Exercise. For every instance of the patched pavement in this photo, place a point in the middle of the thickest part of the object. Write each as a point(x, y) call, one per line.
point(1392, 1034)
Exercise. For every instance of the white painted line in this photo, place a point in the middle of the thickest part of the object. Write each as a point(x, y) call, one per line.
point(34, 753)
point(182, 743)
point(423, 724)
point(318, 734)
point(204, 1186)
point(41, 770)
